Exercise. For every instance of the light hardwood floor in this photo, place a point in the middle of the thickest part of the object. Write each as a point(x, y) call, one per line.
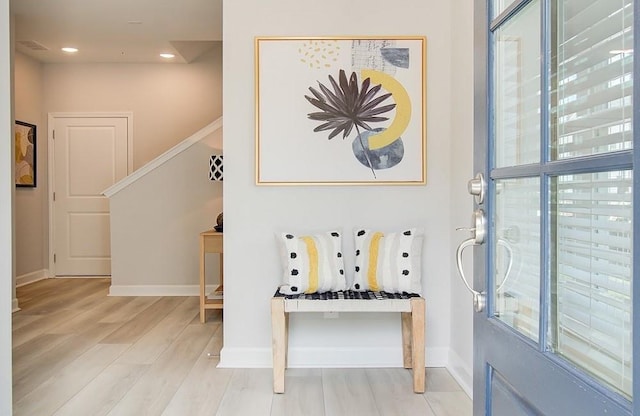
point(78, 352)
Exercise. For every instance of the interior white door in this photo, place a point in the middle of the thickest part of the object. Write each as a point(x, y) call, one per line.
point(90, 154)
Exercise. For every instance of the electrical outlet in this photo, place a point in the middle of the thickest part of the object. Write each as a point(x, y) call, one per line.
point(331, 315)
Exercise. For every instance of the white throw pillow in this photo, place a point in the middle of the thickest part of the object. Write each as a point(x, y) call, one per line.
point(389, 262)
point(312, 263)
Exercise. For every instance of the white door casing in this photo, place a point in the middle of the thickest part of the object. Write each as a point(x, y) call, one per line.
point(88, 153)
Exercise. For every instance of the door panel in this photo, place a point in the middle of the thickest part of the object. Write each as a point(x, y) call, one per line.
point(90, 155)
point(541, 380)
point(91, 158)
point(555, 139)
point(506, 400)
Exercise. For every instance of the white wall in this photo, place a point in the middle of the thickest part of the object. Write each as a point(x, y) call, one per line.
point(253, 213)
point(31, 214)
point(7, 290)
point(169, 102)
point(461, 203)
point(156, 220)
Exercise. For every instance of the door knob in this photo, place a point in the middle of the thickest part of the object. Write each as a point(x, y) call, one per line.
point(478, 233)
point(477, 187)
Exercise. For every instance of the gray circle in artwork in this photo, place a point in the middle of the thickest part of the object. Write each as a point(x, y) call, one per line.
point(383, 158)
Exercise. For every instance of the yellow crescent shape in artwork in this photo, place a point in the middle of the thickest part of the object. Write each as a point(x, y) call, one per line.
point(403, 109)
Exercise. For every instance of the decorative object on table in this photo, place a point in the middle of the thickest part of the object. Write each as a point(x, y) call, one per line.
point(25, 162)
point(216, 174)
point(341, 110)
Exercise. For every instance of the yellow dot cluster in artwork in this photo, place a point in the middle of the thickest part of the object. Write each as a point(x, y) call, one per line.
point(319, 54)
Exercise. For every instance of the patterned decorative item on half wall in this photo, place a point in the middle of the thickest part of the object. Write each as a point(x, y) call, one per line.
point(215, 174)
point(215, 168)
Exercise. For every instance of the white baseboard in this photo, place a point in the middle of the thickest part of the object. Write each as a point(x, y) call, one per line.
point(245, 358)
point(461, 372)
point(327, 357)
point(25, 279)
point(14, 305)
point(158, 290)
point(102, 276)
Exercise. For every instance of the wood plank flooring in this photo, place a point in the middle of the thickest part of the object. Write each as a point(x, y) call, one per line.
point(77, 352)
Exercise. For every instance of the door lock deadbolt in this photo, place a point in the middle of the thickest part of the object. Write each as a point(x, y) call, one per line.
point(477, 187)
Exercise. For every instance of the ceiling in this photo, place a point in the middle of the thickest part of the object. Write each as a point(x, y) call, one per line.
point(123, 31)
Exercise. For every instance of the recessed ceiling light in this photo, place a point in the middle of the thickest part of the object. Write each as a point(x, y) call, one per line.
point(167, 55)
point(621, 51)
point(69, 50)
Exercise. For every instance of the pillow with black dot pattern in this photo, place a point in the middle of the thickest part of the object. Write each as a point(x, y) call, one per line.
point(389, 262)
point(312, 263)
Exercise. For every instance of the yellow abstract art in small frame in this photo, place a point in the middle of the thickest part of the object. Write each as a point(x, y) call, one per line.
point(25, 144)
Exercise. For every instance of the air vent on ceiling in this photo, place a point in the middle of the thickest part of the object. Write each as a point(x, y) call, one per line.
point(33, 45)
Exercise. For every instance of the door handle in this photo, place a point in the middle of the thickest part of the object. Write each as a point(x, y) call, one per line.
point(479, 298)
point(478, 233)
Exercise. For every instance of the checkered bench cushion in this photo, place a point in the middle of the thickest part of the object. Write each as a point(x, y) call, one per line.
point(347, 301)
point(347, 294)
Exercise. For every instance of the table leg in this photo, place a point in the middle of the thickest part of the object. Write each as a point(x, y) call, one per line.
point(202, 282)
point(221, 287)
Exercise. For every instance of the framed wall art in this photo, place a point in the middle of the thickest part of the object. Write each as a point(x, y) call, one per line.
point(340, 110)
point(25, 164)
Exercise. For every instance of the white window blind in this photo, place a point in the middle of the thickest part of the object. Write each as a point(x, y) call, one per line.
point(592, 274)
point(592, 213)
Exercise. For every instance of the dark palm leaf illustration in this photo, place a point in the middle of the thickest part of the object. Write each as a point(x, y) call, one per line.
point(348, 106)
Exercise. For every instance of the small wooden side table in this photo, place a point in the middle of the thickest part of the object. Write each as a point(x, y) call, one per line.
point(210, 242)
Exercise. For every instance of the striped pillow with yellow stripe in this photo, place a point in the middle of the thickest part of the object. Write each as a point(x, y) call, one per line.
point(312, 263)
point(389, 262)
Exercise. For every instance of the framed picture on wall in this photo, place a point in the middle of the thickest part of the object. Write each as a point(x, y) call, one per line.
point(341, 110)
point(25, 164)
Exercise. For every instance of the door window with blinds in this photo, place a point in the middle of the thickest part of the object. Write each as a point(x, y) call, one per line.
point(563, 207)
point(592, 212)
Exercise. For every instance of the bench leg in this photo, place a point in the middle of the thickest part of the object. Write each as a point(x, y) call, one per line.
point(417, 344)
point(286, 340)
point(406, 339)
point(279, 343)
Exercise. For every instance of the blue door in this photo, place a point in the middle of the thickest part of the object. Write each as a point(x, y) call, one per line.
point(555, 327)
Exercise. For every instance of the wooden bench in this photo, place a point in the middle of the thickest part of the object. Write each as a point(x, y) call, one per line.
point(410, 306)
